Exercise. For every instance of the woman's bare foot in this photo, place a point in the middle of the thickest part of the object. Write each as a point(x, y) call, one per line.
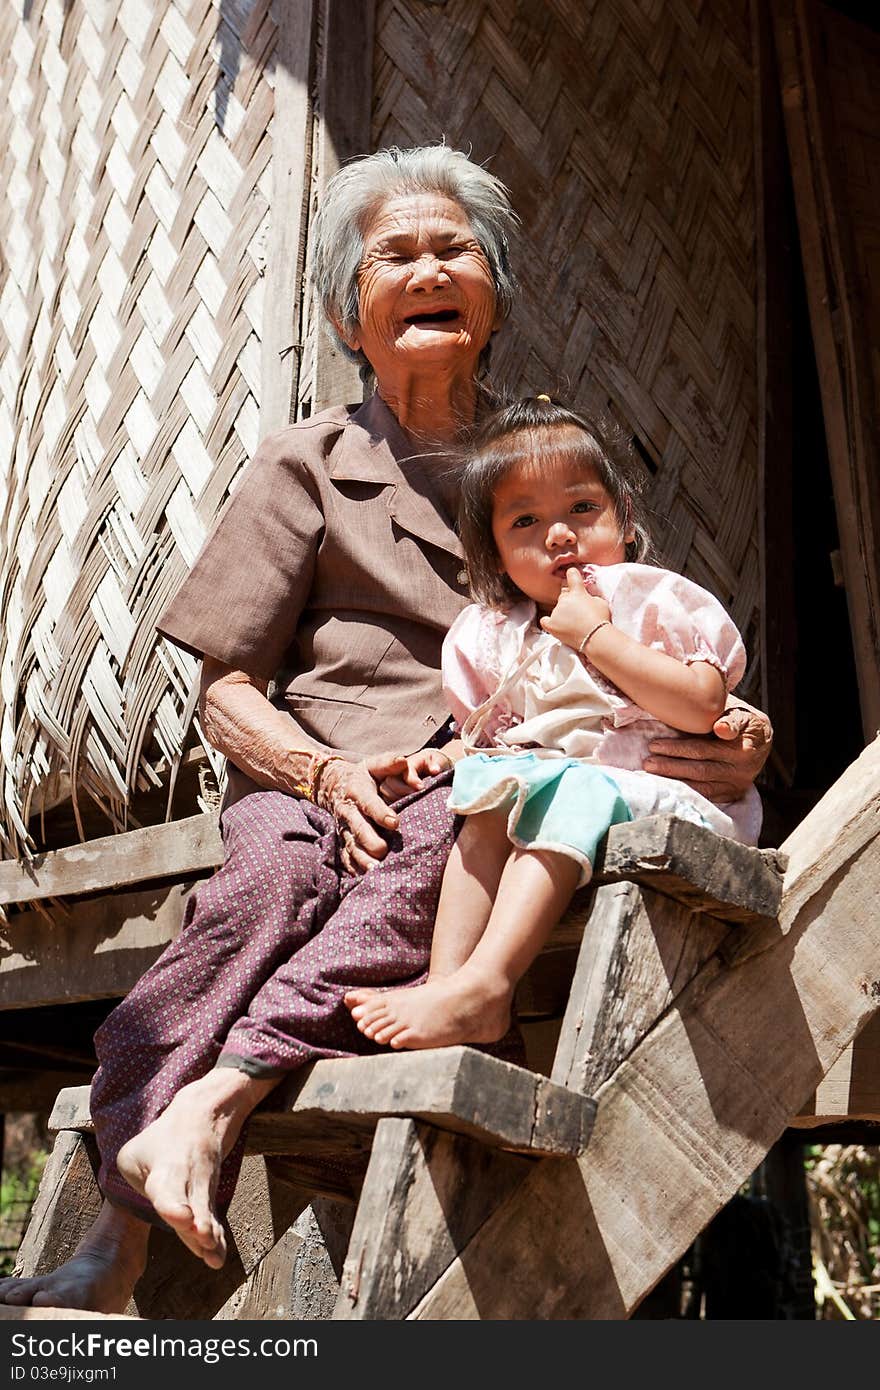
point(464, 1007)
point(100, 1275)
point(175, 1161)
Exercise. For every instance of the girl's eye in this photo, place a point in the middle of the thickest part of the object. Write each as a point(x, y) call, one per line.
point(585, 507)
point(522, 521)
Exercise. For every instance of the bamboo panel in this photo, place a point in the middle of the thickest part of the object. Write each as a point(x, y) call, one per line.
point(624, 131)
point(136, 158)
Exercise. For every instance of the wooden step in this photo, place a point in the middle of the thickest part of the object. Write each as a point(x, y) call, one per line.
point(329, 1110)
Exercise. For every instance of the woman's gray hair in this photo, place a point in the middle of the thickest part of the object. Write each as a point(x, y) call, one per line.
point(359, 189)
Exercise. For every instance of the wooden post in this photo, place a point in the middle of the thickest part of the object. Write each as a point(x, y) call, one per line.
point(291, 161)
point(345, 87)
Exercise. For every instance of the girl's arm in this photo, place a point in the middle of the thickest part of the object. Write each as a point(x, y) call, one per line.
point(690, 697)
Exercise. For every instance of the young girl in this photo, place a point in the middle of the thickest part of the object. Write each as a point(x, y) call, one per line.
point(572, 658)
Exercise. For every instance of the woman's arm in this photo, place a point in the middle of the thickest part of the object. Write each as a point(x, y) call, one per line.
point(242, 724)
point(724, 767)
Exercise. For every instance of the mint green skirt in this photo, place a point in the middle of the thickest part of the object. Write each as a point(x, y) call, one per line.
point(559, 804)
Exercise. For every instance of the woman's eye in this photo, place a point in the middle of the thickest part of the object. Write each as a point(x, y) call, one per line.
point(522, 521)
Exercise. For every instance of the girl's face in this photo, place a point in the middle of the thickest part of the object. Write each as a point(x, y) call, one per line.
point(550, 516)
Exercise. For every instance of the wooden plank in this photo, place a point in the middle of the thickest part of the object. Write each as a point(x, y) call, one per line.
point(267, 1292)
point(425, 1195)
point(332, 1107)
point(841, 350)
point(851, 1089)
point(176, 1284)
point(29, 1089)
point(67, 1203)
point(345, 88)
point(775, 230)
point(699, 1102)
point(97, 950)
point(178, 849)
point(685, 861)
point(639, 951)
point(291, 173)
point(695, 866)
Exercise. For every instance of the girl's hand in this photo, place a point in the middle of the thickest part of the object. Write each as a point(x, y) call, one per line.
point(724, 764)
point(349, 791)
point(576, 611)
point(428, 762)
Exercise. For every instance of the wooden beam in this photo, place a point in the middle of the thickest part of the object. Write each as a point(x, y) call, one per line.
point(675, 857)
point(345, 90)
point(178, 849)
point(696, 867)
point(96, 950)
point(650, 948)
point(425, 1195)
point(775, 230)
point(291, 174)
point(27, 1089)
point(696, 1105)
point(851, 1089)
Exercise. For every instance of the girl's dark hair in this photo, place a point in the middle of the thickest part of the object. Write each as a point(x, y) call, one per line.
point(523, 433)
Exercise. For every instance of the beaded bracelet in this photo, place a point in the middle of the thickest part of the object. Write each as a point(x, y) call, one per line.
point(606, 622)
point(309, 788)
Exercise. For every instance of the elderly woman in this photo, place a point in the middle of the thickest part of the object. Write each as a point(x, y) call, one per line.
point(331, 577)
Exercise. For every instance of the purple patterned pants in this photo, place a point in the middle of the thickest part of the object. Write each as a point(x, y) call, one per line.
point(268, 948)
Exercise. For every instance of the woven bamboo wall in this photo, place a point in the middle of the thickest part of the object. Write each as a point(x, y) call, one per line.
point(624, 130)
point(136, 238)
point(135, 199)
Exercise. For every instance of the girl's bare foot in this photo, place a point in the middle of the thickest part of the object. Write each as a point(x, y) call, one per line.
point(464, 1007)
point(100, 1275)
point(175, 1161)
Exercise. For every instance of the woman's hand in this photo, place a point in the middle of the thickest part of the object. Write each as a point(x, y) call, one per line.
point(349, 791)
point(723, 765)
point(428, 762)
point(577, 611)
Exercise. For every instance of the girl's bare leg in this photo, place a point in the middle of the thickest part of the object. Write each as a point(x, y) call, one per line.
point(471, 1004)
point(100, 1275)
point(467, 892)
point(175, 1161)
point(470, 883)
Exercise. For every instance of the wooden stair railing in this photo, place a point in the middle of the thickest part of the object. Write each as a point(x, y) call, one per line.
point(708, 1001)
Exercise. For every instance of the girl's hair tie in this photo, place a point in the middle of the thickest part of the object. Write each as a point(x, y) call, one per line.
point(544, 398)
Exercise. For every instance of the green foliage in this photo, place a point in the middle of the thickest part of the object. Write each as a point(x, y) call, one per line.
point(18, 1189)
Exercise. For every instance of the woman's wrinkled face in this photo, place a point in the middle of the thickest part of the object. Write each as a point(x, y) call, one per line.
point(425, 288)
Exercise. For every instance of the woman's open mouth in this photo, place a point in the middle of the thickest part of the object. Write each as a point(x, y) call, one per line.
point(433, 318)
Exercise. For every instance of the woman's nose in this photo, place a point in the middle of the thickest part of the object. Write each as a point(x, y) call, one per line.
point(427, 272)
point(560, 533)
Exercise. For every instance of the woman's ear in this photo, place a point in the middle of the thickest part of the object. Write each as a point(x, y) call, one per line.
point(350, 336)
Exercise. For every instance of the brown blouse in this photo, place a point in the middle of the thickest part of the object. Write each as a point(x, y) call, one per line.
point(334, 571)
